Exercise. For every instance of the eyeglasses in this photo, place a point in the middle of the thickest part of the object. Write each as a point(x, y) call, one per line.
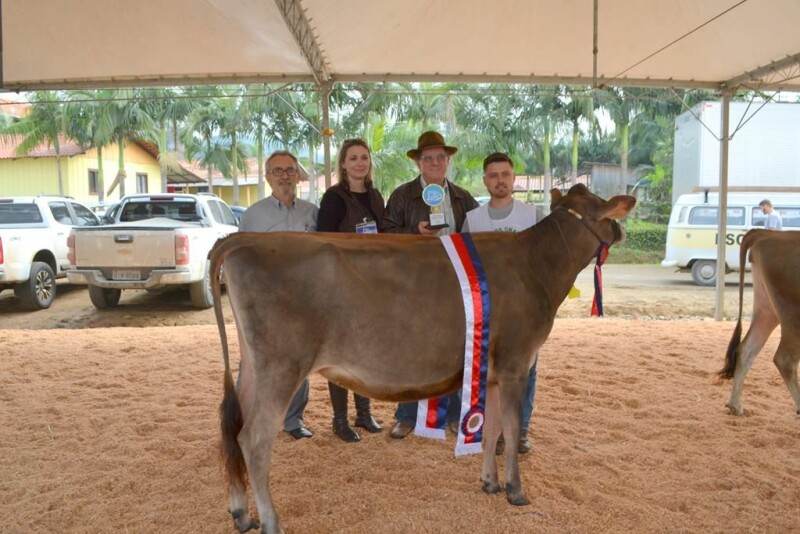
point(430, 158)
point(280, 171)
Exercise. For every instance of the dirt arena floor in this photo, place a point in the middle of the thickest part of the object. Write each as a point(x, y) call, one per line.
point(115, 430)
point(109, 425)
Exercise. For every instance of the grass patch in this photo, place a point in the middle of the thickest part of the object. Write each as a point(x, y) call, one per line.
point(623, 254)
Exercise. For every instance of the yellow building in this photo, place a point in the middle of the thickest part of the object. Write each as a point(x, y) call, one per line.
point(196, 178)
point(37, 172)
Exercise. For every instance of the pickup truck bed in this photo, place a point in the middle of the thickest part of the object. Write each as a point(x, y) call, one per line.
point(151, 252)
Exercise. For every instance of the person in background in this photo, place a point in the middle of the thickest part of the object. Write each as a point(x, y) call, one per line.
point(407, 213)
point(352, 205)
point(283, 212)
point(773, 220)
point(505, 214)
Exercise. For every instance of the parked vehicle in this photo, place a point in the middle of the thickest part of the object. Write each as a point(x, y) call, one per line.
point(33, 244)
point(238, 211)
point(692, 235)
point(154, 242)
point(762, 154)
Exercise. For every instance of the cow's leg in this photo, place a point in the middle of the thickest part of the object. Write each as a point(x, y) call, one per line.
point(491, 431)
point(273, 388)
point(237, 488)
point(786, 358)
point(511, 407)
point(764, 322)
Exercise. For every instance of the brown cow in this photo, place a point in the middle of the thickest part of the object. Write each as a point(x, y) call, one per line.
point(297, 298)
point(775, 257)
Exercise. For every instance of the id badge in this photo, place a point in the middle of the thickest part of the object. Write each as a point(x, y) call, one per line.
point(367, 227)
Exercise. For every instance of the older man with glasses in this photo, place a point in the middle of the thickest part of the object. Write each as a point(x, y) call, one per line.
point(282, 212)
point(408, 212)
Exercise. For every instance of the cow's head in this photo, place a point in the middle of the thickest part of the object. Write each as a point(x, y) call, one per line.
point(598, 215)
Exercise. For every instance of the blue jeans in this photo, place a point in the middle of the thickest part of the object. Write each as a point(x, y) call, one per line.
point(527, 400)
point(527, 404)
point(407, 411)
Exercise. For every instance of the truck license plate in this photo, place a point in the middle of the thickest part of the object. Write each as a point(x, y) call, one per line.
point(126, 275)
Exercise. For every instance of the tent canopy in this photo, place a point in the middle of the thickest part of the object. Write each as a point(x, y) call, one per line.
point(666, 43)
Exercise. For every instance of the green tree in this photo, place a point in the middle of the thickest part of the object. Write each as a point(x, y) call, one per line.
point(579, 106)
point(128, 119)
point(90, 127)
point(167, 108)
point(47, 122)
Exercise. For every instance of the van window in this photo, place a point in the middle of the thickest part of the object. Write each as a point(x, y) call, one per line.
point(708, 215)
point(789, 216)
point(682, 215)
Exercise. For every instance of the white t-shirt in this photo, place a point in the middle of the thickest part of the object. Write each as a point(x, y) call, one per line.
point(485, 219)
point(773, 221)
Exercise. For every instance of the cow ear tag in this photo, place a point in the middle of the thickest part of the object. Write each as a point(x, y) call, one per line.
point(574, 293)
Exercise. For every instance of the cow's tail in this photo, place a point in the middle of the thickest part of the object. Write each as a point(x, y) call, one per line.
point(727, 371)
point(230, 411)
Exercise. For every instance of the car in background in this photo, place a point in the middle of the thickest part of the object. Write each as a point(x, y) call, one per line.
point(33, 244)
point(237, 212)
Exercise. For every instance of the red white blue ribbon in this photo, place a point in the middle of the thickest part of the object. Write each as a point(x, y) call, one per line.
point(475, 296)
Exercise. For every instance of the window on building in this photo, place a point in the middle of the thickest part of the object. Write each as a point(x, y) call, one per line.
point(141, 182)
point(94, 186)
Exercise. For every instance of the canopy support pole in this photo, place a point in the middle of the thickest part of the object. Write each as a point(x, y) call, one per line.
point(722, 229)
point(325, 93)
point(594, 46)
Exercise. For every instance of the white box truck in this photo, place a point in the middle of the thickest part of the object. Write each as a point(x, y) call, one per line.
point(763, 155)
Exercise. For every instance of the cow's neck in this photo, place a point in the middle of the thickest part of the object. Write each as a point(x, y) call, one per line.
point(559, 248)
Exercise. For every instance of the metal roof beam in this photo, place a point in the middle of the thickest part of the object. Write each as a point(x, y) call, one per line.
point(300, 26)
point(771, 76)
point(528, 79)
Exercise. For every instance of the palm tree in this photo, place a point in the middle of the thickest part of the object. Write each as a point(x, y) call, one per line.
point(579, 106)
point(45, 123)
point(166, 107)
point(203, 121)
point(622, 105)
point(128, 119)
point(88, 125)
point(233, 121)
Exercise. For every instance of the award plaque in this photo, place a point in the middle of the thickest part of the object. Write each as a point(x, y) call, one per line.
point(433, 196)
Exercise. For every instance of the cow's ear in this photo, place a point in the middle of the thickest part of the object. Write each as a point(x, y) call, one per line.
point(617, 207)
point(555, 196)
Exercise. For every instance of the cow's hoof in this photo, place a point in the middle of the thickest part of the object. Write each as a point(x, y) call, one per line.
point(243, 522)
point(735, 410)
point(516, 499)
point(491, 487)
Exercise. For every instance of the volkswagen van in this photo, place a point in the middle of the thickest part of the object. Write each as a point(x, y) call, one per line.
point(692, 234)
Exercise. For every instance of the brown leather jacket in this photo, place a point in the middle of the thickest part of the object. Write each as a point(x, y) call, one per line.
point(405, 208)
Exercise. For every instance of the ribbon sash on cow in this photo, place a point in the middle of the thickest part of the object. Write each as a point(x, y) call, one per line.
point(475, 296)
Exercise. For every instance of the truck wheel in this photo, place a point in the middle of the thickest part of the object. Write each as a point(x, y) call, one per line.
point(103, 297)
point(704, 272)
point(40, 289)
point(200, 292)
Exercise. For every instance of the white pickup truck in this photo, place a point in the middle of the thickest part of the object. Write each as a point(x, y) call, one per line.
point(154, 241)
point(33, 244)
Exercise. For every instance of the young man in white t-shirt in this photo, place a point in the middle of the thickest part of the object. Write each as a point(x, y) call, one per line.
point(505, 214)
point(773, 220)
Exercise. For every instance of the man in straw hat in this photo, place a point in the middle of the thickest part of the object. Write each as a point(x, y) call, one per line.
point(408, 212)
